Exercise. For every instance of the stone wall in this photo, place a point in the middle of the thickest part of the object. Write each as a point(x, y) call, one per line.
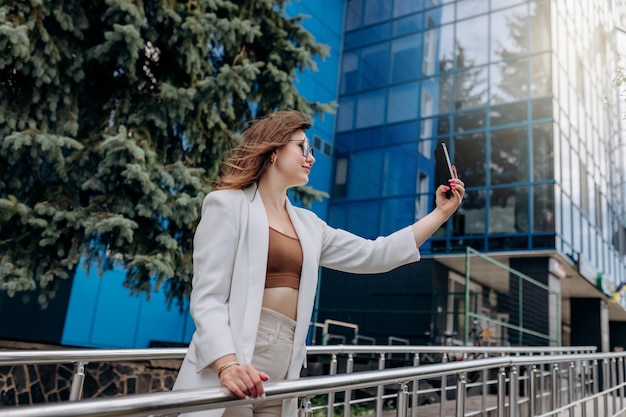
point(32, 384)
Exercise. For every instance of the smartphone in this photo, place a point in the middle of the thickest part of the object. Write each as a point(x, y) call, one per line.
point(443, 167)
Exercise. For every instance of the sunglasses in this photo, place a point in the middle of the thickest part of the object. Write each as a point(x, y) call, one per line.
point(306, 146)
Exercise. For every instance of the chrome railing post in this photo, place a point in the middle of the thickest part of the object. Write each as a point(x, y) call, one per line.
point(305, 408)
point(613, 368)
point(620, 377)
point(444, 382)
point(348, 393)
point(583, 387)
point(330, 411)
point(513, 392)
point(380, 389)
point(76, 390)
point(532, 395)
point(501, 403)
point(460, 395)
point(596, 387)
point(571, 386)
point(402, 404)
point(416, 387)
point(554, 386)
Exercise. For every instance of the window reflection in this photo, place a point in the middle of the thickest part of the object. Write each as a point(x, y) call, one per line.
point(508, 33)
point(469, 158)
point(345, 114)
point(540, 26)
point(405, 57)
point(470, 88)
point(369, 109)
point(353, 14)
point(508, 159)
point(508, 81)
point(468, 8)
point(400, 8)
point(471, 214)
point(540, 75)
point(472, 46)
point(508, 210)
point(508, 113)
point(396, 213)
point(364, 179)
point(350, 72)
point(399, 167)
point(445, 40)
point(403, 103)
point(375, 66)
point(376, 11)
point(543, 208)
point(543, 152)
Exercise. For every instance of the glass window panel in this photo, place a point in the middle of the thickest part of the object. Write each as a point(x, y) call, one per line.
point(543, 208)
point(508, 81)
point(375, 66)
point(469, 120)
point(543, 152)
point(508, 210)
point(354, 14)
point(364, 174)
point(509, 242)
point(540, 75)
point(508, 33)
point(403, 103)
point(444, 96)
point(469, 158)
point(472, 41)
point(472, 211)
point(342, 142)
point(399, 168)
point(401, 8)
point(444, 39)
point(508, 113)
point(368, 139)
point(345, 114)
point(441, 15)
point(429, 57)
point(540, 26)
point(508, 160)
point(369, 107)
point(367, 36)
point(424, 147)
point(359, 218)
point(471, 88)
point(468, 8)
point(376, 11)
point(405, 56)
point(499, 4)
point(403, 132)
point(396, 213)
point(542, 108)
point(409, 24)
point(350, 72)
point(566, 216)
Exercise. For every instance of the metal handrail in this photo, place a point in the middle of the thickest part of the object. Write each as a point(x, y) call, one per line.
point(200, 399)
point(109, 355)
point(212, 398)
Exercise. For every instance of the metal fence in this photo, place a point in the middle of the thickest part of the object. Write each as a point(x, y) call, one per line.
point(514, 382)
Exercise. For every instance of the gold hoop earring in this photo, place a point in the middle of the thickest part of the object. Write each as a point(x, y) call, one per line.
point(273, 160)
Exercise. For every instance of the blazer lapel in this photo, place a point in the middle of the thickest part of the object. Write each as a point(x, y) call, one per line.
point(308, 280)
point(257, 239)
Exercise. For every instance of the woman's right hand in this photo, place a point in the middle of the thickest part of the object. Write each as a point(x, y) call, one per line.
point(244, 381)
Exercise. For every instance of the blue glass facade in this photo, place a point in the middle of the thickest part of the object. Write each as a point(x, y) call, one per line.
point(521, 92)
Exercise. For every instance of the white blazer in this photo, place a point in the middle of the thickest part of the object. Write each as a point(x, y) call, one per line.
point(230, 261)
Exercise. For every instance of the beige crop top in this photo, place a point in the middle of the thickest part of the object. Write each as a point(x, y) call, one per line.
point(284, 261)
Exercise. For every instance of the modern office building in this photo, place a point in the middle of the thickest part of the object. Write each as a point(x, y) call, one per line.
point(523, 94)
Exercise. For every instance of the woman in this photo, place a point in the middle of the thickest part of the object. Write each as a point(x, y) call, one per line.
point(256, 260)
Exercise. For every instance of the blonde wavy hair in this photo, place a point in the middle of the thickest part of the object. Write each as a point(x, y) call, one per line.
point(264, 136)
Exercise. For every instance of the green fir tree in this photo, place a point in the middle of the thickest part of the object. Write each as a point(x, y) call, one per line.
point(114, 116)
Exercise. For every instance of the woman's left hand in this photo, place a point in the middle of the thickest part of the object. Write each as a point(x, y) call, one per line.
point(449, 205)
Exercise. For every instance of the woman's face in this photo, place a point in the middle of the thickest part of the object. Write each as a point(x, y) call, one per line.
point(292, 163)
